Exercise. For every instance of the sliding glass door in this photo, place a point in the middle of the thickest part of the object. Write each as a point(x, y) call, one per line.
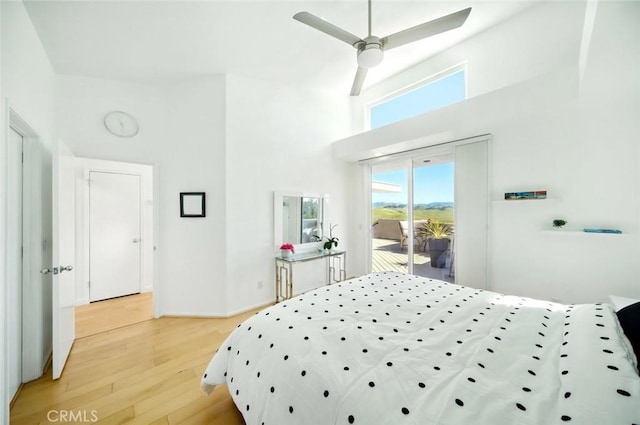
point(429, 213)
point(410, 200)
point(433, 216)
point(389, 218)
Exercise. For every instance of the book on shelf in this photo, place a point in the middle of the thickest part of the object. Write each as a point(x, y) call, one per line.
point(616, 231)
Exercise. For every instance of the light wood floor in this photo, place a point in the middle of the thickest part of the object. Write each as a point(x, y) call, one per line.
point(145, 373)
point(112, 314)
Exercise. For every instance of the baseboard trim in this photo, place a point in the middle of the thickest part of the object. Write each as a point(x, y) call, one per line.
point(48, 363)
point(15, 396)
point(245, 309)
point(217, 316)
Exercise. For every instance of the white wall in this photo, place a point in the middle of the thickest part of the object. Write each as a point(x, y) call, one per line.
point(236, 139)
point(192, 256)
point(27, 88)
point(181, 133)
point(278, 139)
point(579, 142)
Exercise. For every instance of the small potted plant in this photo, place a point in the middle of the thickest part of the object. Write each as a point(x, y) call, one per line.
point(287, 249)
point(559, 223)
point(332, 241)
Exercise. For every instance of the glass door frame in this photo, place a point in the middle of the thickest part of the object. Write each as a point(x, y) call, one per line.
point(405, 165)
point(402, 161)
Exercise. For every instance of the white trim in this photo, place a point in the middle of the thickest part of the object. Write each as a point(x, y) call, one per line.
point(489, 208)
point(4, 358)
point(587, 32)
point(32, 239)
point(157, 282)
point(219, 316)
point(32, 260)
point(367, 176)
point(245, 309)
point(410, 215)
point(433, 150)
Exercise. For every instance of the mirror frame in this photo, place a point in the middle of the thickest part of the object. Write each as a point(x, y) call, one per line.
point(277, 218)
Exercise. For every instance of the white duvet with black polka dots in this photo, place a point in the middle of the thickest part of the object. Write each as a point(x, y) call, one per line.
point(389, 348)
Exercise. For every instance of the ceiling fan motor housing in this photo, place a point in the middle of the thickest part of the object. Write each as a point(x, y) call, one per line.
point(370, 53)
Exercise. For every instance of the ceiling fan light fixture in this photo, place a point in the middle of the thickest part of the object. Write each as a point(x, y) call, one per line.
point(370, 55)
point(370, 50)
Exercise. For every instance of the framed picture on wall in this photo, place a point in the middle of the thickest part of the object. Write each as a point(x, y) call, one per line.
point(192, 204)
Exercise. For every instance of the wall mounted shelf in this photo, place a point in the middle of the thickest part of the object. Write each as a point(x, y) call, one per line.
point(581, 232)
point(525, 201)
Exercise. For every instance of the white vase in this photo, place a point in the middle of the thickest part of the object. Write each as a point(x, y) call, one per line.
point(286, 253)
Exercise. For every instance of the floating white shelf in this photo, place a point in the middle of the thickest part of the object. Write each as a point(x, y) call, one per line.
point(524, 201)
point(581, 232)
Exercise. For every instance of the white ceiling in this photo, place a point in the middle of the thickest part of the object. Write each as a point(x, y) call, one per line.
point(159, 40)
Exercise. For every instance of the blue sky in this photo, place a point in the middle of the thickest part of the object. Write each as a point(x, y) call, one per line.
point(442, 92)
point(432, 183)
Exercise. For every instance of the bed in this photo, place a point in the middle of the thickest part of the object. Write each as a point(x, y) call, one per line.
point(390, 348)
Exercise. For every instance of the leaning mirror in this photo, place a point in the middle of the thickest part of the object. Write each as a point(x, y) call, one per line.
point(297, 218)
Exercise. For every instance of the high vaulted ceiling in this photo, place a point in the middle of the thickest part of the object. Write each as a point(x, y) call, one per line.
point(163, 40)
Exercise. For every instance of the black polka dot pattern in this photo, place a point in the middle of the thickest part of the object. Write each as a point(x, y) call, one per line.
point(403, 347)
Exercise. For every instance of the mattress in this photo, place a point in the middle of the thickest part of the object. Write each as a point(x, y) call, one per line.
point(391, 348)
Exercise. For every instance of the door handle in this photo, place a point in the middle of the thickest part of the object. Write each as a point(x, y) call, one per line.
point(66, 269)
point(136, 240)
point(48, 270)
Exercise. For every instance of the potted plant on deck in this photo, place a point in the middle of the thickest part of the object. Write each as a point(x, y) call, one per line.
point(437, 234)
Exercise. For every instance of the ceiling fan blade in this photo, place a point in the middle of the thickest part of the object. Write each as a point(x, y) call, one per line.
point(427, 29)
point(358, 81)
point(327, 28)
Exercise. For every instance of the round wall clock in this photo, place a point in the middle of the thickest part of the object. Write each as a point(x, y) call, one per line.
point(121, 124)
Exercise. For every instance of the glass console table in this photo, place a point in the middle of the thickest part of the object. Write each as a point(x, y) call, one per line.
point(336, 269)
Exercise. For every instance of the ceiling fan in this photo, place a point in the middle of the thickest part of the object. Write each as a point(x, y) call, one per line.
point(371, 48)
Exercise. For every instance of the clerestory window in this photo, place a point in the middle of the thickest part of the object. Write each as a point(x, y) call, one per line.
point(435, 93)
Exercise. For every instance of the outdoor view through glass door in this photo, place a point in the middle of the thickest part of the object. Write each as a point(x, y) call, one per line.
point(389, 216)
point(427, 201)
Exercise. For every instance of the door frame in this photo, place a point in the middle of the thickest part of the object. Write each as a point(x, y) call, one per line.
point(146, 172)
point(400, 163)
point(34, 352)
point(34, 347)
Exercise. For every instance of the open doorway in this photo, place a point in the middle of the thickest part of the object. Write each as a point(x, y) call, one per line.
point(115, 243)
point(424, 248)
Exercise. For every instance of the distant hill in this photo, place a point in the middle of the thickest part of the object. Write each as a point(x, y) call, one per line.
point(442, 211)
point(435, 205)
point(429, 206)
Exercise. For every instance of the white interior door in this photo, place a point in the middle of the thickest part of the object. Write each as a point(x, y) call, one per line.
point(114, 235)
point(14, 260)
point(63, 254)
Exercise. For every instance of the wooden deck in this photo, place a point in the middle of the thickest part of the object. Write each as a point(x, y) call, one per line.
point(387, 255)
